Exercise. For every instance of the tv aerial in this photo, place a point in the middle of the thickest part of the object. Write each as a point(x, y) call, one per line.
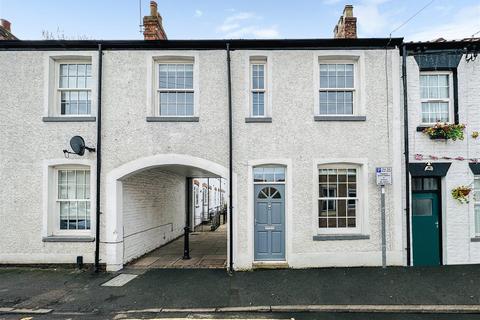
point(78, 147)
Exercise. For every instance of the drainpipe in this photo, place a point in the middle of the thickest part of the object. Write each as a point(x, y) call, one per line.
point(407, 151)
point(230, 156)
point(99, 159)
point(188, 212)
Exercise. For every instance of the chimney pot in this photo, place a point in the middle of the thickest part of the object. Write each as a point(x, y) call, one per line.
point(153, 9)
point(6, 24)
point(348, 11)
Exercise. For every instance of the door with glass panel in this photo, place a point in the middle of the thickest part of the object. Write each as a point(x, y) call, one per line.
point(269, 190)
point(426, 228)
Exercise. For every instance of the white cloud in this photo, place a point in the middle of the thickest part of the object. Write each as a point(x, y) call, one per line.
point(246, 25)
point(198, 13)
point(239, 17)
point(463, 24)
point(256, 32)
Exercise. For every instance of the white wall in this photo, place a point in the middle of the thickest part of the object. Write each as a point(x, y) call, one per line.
point(294, 138)
point(153, 209)
point(458, 219)
point(31, 141)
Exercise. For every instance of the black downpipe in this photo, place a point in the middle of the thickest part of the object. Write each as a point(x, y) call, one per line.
point(188, 213)
point(407, 150)
point(230, 153)
point(99, 158)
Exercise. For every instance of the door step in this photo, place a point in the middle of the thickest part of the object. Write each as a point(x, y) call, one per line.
point(270, 265)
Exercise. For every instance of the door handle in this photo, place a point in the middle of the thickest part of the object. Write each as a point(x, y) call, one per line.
point(436, 224)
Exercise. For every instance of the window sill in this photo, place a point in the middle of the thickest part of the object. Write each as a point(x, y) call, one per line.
point(258, 120)
point(331, 237)
point(173, 119)
point(422, 127)
point(69, 119)
point(68, 239)
point(340, 118)
point(475, 239)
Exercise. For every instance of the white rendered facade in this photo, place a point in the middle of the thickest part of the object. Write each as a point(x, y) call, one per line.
point(146, 157)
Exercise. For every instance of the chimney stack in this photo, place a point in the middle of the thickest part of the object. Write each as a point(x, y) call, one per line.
point(347, 24)
point(6, 24)
point(153, 28)
point(6, 30)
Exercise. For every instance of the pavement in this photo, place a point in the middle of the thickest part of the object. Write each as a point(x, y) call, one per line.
point(450, 292)
point(208, 249)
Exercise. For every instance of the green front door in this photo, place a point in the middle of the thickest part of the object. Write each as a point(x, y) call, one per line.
point(425, 227)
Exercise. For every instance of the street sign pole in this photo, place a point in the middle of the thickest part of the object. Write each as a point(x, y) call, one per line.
point(384, 177)
point(384, 232)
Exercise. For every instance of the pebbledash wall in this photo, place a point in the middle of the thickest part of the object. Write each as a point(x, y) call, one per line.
point(31, 147)
point(460, 244)
point(295, 138)
point(301, 142)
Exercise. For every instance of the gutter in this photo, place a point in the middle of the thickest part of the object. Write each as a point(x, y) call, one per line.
point(407, 149)
point(236, 44)
point(230, 156)
point(99, 159)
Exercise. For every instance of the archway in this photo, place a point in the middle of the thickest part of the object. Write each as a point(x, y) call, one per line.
point(180, 164)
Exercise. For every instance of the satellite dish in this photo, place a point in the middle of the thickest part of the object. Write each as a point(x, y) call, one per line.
point(78, 146)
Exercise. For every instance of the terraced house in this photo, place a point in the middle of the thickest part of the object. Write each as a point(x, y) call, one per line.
point(442, 85)
point(237, 154)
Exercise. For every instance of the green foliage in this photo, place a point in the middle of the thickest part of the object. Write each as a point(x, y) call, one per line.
point(461, 193)
point(445, 131)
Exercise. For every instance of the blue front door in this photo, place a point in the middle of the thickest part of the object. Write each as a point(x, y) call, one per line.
point(269, 222)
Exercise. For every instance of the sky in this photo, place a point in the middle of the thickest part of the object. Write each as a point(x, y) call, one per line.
point(251, 19)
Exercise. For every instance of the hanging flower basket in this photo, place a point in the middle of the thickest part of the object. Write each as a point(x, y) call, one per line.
point(445, 131)
point(461, 193)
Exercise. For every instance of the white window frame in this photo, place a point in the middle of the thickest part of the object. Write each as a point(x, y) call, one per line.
point(58, 90)
point(153, 85)
point(52, 100)
point(353, 89)
point(260, 62)
point(269, 166)
point(449, 100)
point(258, 57)
point(57, 230)
point(196, 196)
point(167, 90)
point(341, 57)
point(51, 207)
point(204, 196)
point(360, 164)
point(476, 202)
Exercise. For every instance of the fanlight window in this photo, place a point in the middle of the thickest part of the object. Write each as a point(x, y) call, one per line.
point(269, 192)
point(269, 174)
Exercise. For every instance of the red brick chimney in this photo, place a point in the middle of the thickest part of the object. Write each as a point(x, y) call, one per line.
point(5, 30)
point(347, 24)
point(153, 28)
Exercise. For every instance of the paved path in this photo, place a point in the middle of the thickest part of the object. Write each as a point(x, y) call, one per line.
point(70, 291)
point(207, 250)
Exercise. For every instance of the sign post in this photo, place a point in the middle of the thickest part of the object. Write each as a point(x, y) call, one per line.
point(384, 177)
